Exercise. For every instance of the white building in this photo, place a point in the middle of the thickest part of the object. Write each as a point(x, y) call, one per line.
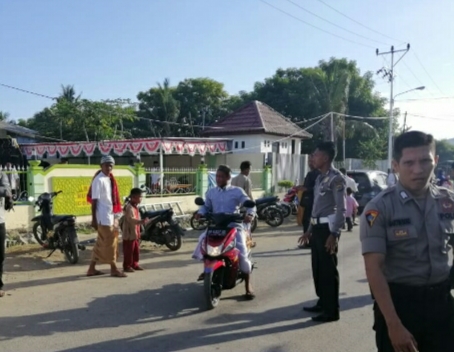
point(254, 129)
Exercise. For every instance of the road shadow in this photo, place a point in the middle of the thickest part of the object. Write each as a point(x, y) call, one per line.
point(291, 252)
point(221, 329)
point(144, 307)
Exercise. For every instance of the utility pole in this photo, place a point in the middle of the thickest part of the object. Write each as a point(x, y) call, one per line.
point(390, 75)
point(405, 123)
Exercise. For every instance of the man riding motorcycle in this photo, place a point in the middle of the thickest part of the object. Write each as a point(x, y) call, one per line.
point(228, 199)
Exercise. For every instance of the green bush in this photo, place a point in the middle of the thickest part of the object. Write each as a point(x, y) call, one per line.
point(285, 183)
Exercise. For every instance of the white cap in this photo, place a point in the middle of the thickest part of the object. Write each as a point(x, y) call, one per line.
point(107, 159)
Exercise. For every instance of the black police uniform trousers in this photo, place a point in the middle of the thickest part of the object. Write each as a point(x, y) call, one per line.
point(324, 271)
point(426, 312)
point(2, 251)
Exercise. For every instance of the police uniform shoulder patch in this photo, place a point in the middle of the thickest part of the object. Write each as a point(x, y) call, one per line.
point(371, 216)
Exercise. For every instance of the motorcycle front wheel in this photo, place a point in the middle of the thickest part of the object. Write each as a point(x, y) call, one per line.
point(254, 224)
point(211, 290)
point(274, 217)
point(39, 235)
point(286, 209)
point(71, 251)
point(173, 240)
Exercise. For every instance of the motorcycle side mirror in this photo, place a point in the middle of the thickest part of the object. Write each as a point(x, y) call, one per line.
point(143, 186)
point(199, 201)
point(31, 199)
point(249, 204)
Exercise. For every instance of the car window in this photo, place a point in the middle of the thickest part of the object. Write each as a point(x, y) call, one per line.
point(380, 179)
point(362, 180)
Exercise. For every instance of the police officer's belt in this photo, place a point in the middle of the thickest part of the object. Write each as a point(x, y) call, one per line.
point(319, 221)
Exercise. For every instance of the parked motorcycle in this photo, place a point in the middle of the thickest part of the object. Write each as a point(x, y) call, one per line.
point(162, 228)
point(269, 211)
point(56, 231)
point(221, 264)
point(290, 202)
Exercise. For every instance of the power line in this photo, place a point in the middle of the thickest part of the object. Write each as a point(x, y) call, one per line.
point(359, 23)
point(313, 26)
point(28, 91)
point(430, 77)
point(334, 24)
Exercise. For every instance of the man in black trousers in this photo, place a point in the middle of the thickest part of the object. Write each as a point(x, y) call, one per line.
point(307, 199)
point(5, 198)
point(328, 217)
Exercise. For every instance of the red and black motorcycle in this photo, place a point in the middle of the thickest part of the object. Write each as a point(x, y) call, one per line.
point(221, 257)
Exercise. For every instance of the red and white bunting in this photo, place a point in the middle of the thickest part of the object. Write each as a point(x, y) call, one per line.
point(28, 151)
point(222, 146)
point(51, 150)
point(202, 148)
point(212, 147)
point(76, 149)
point(105, 147)
point(63, 150)
point(41, 149)
point(190, 148)
point(89, 148)
point(136, 147)
point(151, 146)
point(179, 146)
point(167, 146)
point(120, 147)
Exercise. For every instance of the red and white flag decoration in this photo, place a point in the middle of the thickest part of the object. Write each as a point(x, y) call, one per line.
point(63, 150)
point(202, 148)
point(105, 147)
point(151, 146)
point(167, 146)
point(120, 147)
point(136, 147)
point(89, 148)
point(190, 148)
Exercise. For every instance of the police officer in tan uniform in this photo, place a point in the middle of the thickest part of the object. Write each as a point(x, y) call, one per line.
point(404, 233)
point(328, 217)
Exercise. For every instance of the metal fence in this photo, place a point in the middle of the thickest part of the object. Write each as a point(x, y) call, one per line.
point(254, 175)
point(175, 181)
point(18, 181)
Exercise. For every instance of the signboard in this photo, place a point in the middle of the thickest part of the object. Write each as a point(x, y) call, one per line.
point(73, 200)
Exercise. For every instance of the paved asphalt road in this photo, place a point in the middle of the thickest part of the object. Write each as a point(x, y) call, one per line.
point(56, 308)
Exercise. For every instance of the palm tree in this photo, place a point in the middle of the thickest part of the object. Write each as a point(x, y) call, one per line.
point(332, 84)
point(69, 94)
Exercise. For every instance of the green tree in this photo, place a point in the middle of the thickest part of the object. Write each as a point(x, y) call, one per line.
point(159, 104)
point(445, 150)
point(4, 116)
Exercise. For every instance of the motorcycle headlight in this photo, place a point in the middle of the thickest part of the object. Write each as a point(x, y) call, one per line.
point(214, 251)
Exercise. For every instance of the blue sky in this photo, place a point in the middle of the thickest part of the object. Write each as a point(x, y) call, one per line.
point(116, 48)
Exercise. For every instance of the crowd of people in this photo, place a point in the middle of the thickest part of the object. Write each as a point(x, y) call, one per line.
point(406, 233)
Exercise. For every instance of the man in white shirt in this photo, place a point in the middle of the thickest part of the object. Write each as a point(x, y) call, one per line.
point(242, 180)
point(391, 179)
point(13, 177)
point(105, 204)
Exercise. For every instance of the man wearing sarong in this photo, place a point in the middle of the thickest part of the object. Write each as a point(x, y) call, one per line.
point(105, 204)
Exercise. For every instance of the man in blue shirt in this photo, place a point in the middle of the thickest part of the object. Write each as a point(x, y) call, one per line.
point(228, 199)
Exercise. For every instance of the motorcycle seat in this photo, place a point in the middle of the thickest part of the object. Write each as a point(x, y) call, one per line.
point(153, 214)
point(266, 200)
point(59, 218)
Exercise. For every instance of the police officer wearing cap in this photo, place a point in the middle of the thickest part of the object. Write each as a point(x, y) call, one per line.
point(405, 233)
point(328, 217)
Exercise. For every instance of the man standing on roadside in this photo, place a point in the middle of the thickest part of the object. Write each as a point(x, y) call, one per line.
point(328, 217)
point(242, 180)
point(307, 200)
point(5, 196)
point(105, 204)
point(351, 183)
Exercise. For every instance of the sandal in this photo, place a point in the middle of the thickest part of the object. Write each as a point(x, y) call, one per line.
point(129, 270)
point(249, 296)
point(2, 293)
point(95, 273)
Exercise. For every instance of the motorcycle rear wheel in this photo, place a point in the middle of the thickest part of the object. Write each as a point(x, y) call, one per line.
point(173, 240)
point(286, 210)
point(254, 224)
point(274, 217)
point(212, 297)
point(71, 252)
